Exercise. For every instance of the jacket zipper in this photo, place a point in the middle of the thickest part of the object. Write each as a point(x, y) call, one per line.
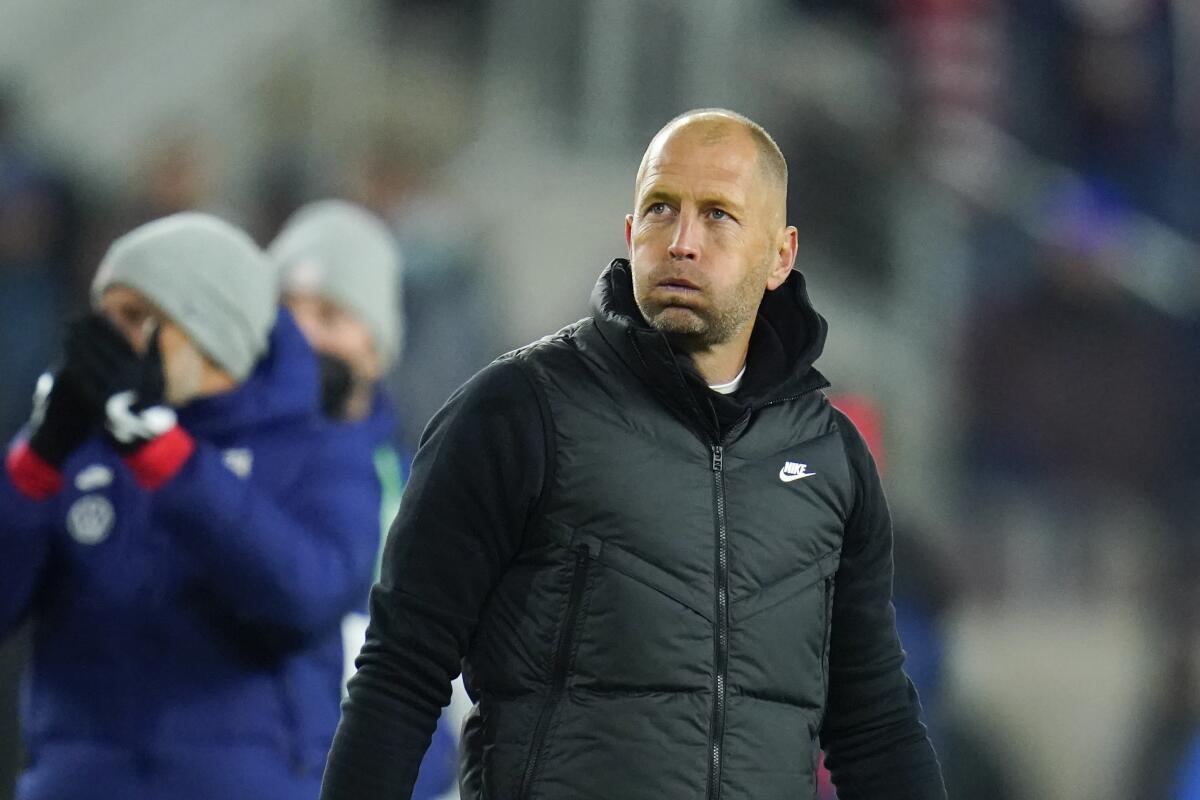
point(789, 398)
point(721, 628)
point(562, 656)
point(721, 602)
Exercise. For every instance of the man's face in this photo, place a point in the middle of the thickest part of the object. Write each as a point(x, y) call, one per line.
point(333, 331)
point(184, 366)
point(705, 237)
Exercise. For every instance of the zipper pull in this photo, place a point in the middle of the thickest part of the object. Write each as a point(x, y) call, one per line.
point(717, 459)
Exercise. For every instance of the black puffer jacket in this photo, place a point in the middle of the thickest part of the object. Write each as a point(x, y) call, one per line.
point(656, 591)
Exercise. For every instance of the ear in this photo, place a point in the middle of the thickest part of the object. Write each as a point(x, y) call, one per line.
point(784, 259)
point(629, 234)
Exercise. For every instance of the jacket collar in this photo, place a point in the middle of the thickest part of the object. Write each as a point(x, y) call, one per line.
point(283, 386)
point(788, 337)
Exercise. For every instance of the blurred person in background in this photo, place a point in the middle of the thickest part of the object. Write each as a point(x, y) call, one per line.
point(186, 531)
point(1075, 394)
point(607, 532)
point(176, 174)
point(1097, 86)
point(340, 272)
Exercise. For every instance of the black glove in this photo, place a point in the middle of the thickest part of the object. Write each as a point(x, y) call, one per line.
point(69, 400)
point(144, 429)
point(60, 421)
point(136, 416)
point(119, 387)
point(100, 362)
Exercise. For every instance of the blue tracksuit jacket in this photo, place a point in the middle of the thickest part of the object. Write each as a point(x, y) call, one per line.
point(187, 640)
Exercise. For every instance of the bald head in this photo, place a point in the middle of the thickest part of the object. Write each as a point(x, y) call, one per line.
point(707, 235)
point(716, 126)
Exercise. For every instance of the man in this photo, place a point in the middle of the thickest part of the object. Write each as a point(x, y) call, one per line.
point(662, 556)
point(340, 274)
point(186, 532)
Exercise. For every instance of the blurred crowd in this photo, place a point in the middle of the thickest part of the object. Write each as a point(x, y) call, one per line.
point(54, 228)
point(1076, 450)
point(1075, 453)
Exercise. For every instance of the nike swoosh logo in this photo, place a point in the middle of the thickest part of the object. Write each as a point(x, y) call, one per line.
point(786, 478)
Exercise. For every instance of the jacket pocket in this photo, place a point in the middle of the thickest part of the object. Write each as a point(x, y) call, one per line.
point(827, 585)
point(786, 588)
point(561, 666)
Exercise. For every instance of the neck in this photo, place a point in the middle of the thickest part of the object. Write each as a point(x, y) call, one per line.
point(360, 402)
point(722, 363)
point(215, 381)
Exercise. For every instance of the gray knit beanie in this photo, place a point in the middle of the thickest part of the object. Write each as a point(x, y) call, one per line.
point(207, 276)
point(344, 253)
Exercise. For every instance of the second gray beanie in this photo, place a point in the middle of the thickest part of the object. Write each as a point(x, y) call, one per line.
point(343, 252)
point(207, 276)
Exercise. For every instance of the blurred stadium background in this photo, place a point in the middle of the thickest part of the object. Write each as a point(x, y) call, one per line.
point(998, 204)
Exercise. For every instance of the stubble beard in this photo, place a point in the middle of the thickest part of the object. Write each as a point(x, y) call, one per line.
point(690, 329)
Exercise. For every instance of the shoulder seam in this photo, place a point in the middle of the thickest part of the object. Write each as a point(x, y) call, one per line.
point(849, 445)
point(563, 336)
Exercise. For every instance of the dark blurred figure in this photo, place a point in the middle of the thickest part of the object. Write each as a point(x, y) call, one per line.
point(457, 26)
point(838, 194)
point(280, 189)
point(1074, 392)
point(176, 176)
point(873, 13)
point(1095, 89)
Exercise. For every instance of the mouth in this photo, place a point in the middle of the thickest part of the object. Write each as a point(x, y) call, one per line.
point(680, 285)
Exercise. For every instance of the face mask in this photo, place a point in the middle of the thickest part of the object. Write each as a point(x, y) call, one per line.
point(336, 382)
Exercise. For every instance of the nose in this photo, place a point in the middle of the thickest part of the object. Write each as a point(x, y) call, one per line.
point(685, 246)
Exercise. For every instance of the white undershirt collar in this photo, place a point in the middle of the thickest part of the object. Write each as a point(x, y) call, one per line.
point(732, 386)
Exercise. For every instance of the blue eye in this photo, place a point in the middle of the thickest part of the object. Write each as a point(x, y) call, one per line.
point(657, 208)
point(718, 213)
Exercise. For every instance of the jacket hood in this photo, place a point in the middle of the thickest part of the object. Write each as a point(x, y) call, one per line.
point(284, 385)
point(788, 337)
